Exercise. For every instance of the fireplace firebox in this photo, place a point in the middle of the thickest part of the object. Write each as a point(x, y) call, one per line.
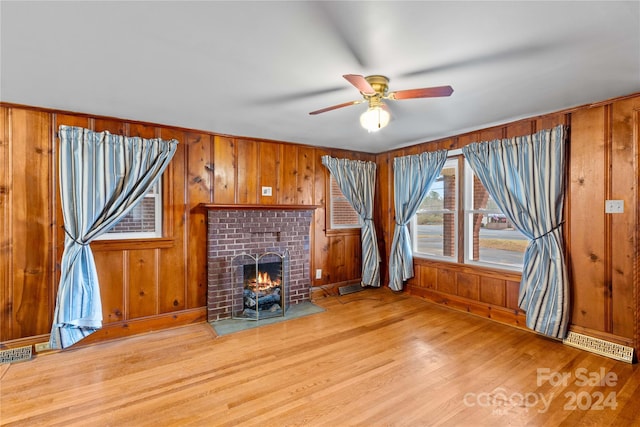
point(260, 285)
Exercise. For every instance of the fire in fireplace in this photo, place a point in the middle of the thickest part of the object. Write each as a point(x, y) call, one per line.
point(262, 283)
point(262, 288)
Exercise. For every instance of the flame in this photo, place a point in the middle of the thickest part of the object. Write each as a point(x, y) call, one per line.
point(263, 282)
point(264, 278)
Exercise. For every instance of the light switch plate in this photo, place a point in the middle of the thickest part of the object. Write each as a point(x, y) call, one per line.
point(266, 191)
point(614, 206)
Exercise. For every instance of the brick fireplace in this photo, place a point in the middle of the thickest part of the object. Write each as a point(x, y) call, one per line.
point(233, 230)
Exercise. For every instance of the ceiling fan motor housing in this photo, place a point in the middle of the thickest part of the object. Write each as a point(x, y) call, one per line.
point(379, 83)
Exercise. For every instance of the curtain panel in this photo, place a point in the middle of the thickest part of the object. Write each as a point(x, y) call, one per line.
point(526, 178)
point(412, 178)
point(357, 181)
point(102, 177)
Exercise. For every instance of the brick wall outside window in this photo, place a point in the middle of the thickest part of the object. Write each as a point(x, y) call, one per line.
point(142, 218)
point(342, 214)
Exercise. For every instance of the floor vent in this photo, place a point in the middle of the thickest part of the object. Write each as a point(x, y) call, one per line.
point(17, 354)
point(350, 289)
point(601, 347)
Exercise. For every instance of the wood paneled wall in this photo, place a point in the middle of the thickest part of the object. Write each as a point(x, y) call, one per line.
point(602, 248)
point(155, 283)
point(162, 282)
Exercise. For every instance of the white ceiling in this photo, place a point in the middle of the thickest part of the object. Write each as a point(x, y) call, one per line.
point(257, 69)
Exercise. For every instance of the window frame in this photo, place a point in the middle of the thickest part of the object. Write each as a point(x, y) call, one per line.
point(452, 161)
point(468, 212)
point(463, 239)
point(142, 235)
point(330, 227)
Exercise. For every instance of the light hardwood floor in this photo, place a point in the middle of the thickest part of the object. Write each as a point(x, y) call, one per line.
point(373, 358)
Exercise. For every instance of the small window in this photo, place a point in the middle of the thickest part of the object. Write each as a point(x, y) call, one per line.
point(143, 221)
point(489, 236)
point(341, 213)
point(434, 228)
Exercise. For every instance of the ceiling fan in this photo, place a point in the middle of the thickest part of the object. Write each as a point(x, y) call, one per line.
point(374, 90)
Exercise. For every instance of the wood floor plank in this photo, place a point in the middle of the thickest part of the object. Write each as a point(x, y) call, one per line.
point(373, 358)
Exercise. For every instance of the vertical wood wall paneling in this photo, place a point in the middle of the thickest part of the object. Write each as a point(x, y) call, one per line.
point(30, 206)
point(604, 265)
point(337, 269)
point(247, 166)
point(306, 176)
point(114, 126)
point(586, 221)
point(143, 283)
point(269, 171)
point(492, 291)
point(287, 192)
point(113, 277)
point(224, 186)
point(624, 227)
point(446, 282)
point(143, 263)
point(6, 227)
point(172, 281)
point(521, 128)
point(468, 286)
point(200, 171)
point(320, 242)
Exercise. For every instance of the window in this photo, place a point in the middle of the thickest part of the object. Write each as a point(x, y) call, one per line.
point(435, 225)
point(341, 214)
point(488, 238)
point(143, 221)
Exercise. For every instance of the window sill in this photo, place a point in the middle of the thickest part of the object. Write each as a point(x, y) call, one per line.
point(128, 244)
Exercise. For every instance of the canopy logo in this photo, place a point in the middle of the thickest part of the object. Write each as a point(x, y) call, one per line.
point(595, 397)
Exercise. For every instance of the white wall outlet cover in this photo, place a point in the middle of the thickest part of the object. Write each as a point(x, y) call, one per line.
point(614, 206)
point(319, 273)
point(266, 191)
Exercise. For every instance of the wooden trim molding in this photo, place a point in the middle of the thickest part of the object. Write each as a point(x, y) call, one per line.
point(259, 207)
point(504, 315)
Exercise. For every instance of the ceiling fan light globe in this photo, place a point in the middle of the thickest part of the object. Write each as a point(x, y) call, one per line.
point(374, 119)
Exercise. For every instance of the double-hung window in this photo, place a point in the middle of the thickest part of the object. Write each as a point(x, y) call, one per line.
point(435, 226)
point(458, 221)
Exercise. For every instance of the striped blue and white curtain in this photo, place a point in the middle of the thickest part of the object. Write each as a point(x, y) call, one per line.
point(357, 181)
point(526, 178)
point(102, 177)
point(412, 178)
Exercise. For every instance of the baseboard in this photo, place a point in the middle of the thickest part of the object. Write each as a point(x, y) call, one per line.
point(496, 313)
point(121, 329)
point(331, 289)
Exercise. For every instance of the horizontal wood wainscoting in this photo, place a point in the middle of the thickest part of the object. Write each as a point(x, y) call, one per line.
point(152, 283)
point(602, 249)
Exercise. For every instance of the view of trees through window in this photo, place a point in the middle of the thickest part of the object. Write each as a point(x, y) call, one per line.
point(487, 238)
